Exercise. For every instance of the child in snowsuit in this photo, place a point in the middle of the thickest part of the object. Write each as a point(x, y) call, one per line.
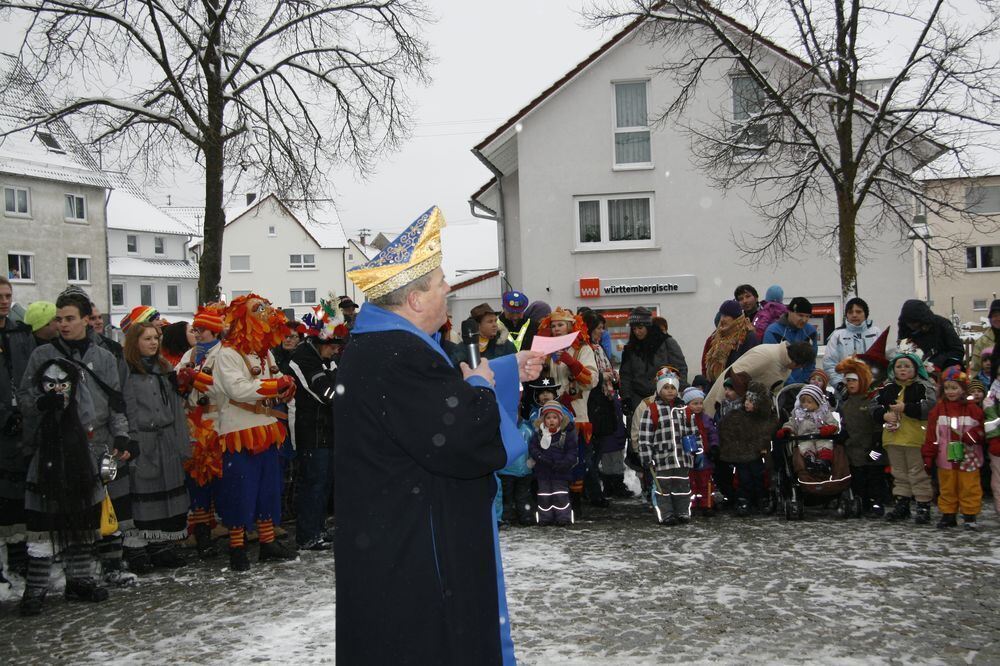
point(744, 439)
point(514, 498)
point(662, 449)
point(954, 443)
point(903, 405)
point(812, 416)
point(553, 448)
point(862, 438)
point(702, 487)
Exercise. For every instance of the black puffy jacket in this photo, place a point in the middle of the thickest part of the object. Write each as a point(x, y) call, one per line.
point(933, 334)
point(316, 382)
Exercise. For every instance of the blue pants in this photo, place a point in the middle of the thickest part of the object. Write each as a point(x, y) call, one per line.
point(250, 488)
point(313, 482)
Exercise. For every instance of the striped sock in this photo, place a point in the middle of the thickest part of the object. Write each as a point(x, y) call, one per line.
point(200, 517)
point(79, 562)
point(236, 535)
point(38, 572)
point(109, 551)
point(265, 528)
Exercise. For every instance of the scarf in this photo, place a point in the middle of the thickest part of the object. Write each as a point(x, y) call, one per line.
point(607, 372)
point(725, 339)
point(201, 350)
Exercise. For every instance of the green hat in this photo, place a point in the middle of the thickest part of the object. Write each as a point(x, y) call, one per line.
point(39, 314)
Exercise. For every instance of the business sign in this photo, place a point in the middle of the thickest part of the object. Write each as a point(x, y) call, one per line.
point(641, 286)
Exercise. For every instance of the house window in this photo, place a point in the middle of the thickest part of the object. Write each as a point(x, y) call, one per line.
point(16, 201)
point(350, 256)
point(302, 296)
point(78, 269)
point(271, 231)
point(302, 261)
point(239, 263)
point(983, 200)
point(982, 258)
point(749, 138)
point(145, 294)
point(132, 243)
point(50, 142)
point(158, 244)
point(173, 296)
point(632, 125)
point(615, 222)
point(117, 294)
point(76, 208)
point(979, 304)
point(19, 266)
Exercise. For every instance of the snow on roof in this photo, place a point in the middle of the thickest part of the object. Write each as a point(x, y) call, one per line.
point(49, 152)
point(129, 209)
point(166, 268)
point(980, 158)
point(369, 251)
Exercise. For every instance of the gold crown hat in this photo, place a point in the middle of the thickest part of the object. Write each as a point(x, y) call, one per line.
point(415, 253)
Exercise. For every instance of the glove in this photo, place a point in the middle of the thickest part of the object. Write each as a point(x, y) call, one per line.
point(185, 378)
point(575, 367)
point(49, 402)
point(286, 392)
point(828, 430)
point(125, 445)
point(783, 433)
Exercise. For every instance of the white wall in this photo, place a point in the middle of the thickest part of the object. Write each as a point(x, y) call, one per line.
point(270, 275)
point(173, 245)
point(566, 149)
point(187, 291)
point(48, 235)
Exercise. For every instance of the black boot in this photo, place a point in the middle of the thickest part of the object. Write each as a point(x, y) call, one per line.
point(618, 487)
point(742, 508)
point(901, 511)
point(670, 520)
point(85, 589)
point(31, 602)
point(947, 520)
point(203, 541)
point(576, 504)
point(969, 522)
point(922, 515)
point(165, 556)
point(274, 551)
point(138, 560)
point(238, 560)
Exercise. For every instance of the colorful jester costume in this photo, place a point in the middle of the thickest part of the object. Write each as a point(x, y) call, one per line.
point(249, 428)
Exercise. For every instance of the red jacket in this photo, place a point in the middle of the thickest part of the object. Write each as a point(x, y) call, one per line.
point(951, 421)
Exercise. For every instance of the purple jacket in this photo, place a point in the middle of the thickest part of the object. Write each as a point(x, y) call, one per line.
point(768, 312)
point(555, 463)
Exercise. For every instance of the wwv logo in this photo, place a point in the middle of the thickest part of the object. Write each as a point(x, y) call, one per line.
point(590, 287)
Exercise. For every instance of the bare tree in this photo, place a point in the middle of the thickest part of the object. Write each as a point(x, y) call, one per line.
point(806, 131)
point(276, 92)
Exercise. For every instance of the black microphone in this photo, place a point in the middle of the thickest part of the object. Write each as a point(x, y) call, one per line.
point(470, 337)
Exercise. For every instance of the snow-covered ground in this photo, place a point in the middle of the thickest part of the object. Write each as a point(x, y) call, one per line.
point(613, 589)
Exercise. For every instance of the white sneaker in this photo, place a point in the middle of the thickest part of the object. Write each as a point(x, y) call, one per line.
point(118, 578)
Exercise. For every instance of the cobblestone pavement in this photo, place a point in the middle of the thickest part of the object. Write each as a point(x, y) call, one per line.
point(613, 589)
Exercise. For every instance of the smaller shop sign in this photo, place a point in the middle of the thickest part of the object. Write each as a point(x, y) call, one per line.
point(594, 287)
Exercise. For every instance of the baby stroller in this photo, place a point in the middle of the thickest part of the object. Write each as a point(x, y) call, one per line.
point(795, 485)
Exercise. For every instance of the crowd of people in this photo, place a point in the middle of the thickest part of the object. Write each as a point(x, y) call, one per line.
point(112, 454)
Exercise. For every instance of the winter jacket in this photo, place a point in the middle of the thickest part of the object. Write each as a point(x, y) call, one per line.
point(954, 421)
point(494, 349)
point(637, 373)
point(577, 379)
point(939, 342)
point(709, 434)
point(519, 466)
point(985, 341)
point(767, 313)
point(767, 364)
point(859, 431)
point(238, 428)
point(991, 417)
point(661, 432)
point(742, 434)
point(846, 341)
point(16, 345)
point(918, 399)
point(316, 382)
point(749, 342)
point(783, 331)
point(556, 462)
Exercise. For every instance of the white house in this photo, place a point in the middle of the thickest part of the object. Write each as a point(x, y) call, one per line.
point(598, 206)
point(356, 254)
point(148, 260)
point(53, 223)
point(469, 290)
point(292, 256)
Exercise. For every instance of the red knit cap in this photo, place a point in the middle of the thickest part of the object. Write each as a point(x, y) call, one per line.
point(208, 318)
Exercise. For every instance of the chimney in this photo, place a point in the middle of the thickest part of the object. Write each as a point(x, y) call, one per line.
point(363, 235)
point(251, 197)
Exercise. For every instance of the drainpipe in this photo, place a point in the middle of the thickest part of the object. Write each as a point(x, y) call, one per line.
point(501, 216)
